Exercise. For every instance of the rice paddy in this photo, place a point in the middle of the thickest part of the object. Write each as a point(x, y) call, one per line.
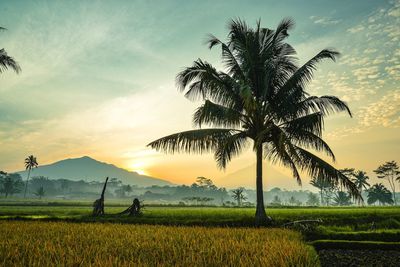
point(38, 243)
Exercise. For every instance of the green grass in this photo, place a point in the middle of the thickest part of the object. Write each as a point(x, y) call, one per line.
point(353, 218)
point(355, 245)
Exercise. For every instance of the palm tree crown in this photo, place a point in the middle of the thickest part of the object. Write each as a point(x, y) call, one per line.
point(6, 61)
point(260, 97)
point(30, 163)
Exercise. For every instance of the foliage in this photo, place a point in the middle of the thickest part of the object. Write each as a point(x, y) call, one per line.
point(40, 192)
point(6, 61)
point(239, 196)
point(261, 97)
point(312, 199)
point(342, 199)
point(390, 172)
point(30, 163)
point(10, 183)
point(379, 193)
point(71, 244)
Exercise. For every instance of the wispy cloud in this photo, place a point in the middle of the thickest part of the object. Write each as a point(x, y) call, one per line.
point(325, 20)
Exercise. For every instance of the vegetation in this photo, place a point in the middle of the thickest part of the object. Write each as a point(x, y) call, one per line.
point(126, 245)
point(239, 196)
point(40, 192)
point(10, 184)
point(261, 97)
point(390, 172)
point(379, 193)
point(30, 163)
point(6, 61)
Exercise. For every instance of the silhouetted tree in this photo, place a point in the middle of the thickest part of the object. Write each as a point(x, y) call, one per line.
point(276, 201)
point(325, 188)
point(10, 183)
point(360, 180)
point(6, 61)
point(30, 163)
point(390, 172)
point(260, 97)
point(342, 199)
point(239, 196)
point(379, 193)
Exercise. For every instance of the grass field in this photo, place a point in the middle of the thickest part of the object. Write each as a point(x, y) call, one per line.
point(57, 226)
point(71, 244)
point(351, 218)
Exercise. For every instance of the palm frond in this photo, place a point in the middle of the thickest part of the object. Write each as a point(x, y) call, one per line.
point(325, 104)
point(7, 62)
point(217, 115)
point(230, 147)
point(194, 141)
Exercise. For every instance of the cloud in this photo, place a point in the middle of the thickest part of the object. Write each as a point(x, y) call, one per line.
point(355, 29)
point(325, 20)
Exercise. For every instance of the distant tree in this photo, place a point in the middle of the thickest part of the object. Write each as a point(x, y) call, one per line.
point(64, 185)
point(325, 188)
point(10, 183)
point(276, 201)
point(379, 193)
point(205, 200)
point(260, 99)
point(293, 201)
point(6, 61)
point(312, 199)
point(205, 183)
point(30, 163)
point(40, 192)
point(342, 199)
point(238, 195)
point(360, 180)
point(390, 172)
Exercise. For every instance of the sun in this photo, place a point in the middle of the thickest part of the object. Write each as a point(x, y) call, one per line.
point(138, 167)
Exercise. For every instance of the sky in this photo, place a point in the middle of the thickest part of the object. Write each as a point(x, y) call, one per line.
point(98, 79)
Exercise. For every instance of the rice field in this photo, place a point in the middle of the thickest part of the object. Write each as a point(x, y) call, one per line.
point(37, 243)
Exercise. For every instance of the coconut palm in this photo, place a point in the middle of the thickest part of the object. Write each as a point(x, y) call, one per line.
point(379, 193)
point(30, 163)
point(237, 194)
point(259, 99)
point(360, 180)
point(6, 61)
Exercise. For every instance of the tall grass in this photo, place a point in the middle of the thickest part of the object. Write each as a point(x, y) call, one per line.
point(85, 244)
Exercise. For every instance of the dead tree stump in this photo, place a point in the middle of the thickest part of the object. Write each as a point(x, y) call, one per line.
point(98, 204)
point(134, 209)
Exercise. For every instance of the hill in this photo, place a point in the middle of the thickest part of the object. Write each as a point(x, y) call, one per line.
point(89, 169)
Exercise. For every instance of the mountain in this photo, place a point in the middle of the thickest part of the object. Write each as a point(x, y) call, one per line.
point(88, 169)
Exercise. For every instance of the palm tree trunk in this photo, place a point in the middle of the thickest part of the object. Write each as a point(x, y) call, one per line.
point(26, 184)
point(261, 216)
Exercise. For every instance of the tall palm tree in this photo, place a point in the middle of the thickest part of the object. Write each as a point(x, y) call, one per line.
point(6, 61)
point(30, 163)
point(360, 180)
point(260, 98)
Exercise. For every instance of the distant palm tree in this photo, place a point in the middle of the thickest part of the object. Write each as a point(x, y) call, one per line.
point(260, 97)
point(239, 196)
point(6, 61)
point(30, 163)
point(323, 185)
point(360, 180)
point(379, 193)
point(391, 172)
point(342, 199)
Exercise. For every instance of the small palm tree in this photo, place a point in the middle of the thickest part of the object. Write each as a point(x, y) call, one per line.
point(260, 98)
point(391, 172)
point(342, 199)
point(360, 180)
point(6, 61)
point(30, 163)
point(40, 192)
point(239, 196)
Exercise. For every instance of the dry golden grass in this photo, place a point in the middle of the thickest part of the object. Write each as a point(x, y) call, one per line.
point(85, 244)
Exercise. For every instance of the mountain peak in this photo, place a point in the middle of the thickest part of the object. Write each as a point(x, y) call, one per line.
point(90, 169)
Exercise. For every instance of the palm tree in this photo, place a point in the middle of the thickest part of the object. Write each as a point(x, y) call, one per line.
point(260, 98)
point(360, 180)
point(323, 185)
point(239, 196)
point(389, 171)
point(6, 61)
point(40, 192)
point(342, 199)
point(378, 192)
point(30, 163)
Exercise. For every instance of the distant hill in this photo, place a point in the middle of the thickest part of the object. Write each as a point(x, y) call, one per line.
point(88, 169)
